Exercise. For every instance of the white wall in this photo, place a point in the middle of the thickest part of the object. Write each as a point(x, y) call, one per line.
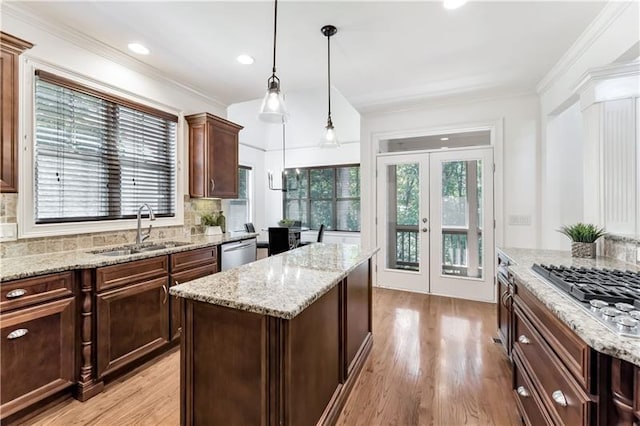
point(519, 116)
point(307, 118)
point(562, 184)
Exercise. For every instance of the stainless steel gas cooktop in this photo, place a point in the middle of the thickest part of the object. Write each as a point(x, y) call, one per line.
point(610, 296)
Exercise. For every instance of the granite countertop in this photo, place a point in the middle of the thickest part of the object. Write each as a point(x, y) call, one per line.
point(566, 309)
point(38, 264)
point(280, 286)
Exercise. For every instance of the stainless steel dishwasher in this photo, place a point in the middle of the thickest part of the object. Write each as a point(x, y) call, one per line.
point(237, 253)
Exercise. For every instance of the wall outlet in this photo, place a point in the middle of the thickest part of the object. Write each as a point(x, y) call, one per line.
point(520, 220)
point(8, 231)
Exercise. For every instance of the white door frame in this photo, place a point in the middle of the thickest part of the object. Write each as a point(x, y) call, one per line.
point(371, 151)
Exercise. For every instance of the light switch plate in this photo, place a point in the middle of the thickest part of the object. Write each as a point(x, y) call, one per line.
point(8, 231)
point(520, 220)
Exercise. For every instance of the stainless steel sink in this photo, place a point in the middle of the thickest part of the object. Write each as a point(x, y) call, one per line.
point(133, 248)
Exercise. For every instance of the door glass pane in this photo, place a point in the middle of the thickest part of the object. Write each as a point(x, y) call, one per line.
point(403, 210)
point(462, 218)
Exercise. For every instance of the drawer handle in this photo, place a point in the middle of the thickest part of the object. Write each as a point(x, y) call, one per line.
point(18, 292)
point(166, 294)
point(559, 398)
point(524, 340)
point(523, 392)
point(17, 333)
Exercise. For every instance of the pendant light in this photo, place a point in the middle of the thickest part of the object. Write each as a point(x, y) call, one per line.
point(329, 138)
point(273, 109)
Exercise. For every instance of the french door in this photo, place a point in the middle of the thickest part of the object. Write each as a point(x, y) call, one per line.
point(435, 223)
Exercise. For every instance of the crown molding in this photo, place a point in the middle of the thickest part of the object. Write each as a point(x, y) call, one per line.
point(418, 104)
point(18, 11)
point(607, 72)
point(607, 16)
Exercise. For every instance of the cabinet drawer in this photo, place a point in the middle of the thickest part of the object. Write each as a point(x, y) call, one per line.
point(566, 401)
point(193, 259)
point(573, 351)
point(131, 272)
point(26, 292)
point(37, 353)
point(527, 398)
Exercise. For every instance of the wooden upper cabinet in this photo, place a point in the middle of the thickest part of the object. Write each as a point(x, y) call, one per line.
point(213, 156)
point(12, 47)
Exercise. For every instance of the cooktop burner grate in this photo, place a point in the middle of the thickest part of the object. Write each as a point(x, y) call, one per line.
point(585, 284)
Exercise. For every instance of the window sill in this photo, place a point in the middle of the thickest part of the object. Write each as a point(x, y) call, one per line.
point(73, 228)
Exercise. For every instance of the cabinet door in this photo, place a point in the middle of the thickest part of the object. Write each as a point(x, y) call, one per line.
point(37, 353)
point(357, 315)
point(132, 321)
point(174, 301)
point(223, 161)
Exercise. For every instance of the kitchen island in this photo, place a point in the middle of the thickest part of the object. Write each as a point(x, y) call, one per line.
point(279, 341)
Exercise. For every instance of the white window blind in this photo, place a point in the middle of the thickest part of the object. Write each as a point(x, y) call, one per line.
point(99, 157)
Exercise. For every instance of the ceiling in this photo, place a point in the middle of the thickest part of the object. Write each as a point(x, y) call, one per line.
point(384, 52)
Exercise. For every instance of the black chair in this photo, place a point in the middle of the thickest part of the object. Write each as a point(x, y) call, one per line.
point(320, 236)
point(250, 228)
point(278, 240)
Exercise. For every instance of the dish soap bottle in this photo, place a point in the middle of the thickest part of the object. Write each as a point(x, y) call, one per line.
point(222, 222)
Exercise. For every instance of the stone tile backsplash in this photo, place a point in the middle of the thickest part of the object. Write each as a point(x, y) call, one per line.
point(623, 248)
point(193, 210)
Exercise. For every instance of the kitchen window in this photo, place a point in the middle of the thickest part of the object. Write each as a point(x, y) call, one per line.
point(97, 156)
point(328, 195)
point(238, 211)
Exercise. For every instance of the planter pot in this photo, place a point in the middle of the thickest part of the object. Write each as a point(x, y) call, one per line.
point(587, 250)
point(212, 230)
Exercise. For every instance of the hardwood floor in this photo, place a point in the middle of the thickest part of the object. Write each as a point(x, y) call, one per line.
point(433, 363)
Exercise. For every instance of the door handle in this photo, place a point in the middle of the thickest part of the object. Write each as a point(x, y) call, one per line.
point(213, 184)
point(227, 250)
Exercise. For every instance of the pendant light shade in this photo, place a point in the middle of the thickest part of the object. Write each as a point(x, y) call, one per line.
point(273, 109)
point(329, 138)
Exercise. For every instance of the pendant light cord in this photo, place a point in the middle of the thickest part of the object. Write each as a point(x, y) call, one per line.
point(329, 73)
point(275, 31)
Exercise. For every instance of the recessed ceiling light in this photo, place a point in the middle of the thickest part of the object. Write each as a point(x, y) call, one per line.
point(245, 59)
point(444, 139)
point(453, 4)
point(138, 48)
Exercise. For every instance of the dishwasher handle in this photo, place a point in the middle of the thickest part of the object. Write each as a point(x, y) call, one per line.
point(236, 247)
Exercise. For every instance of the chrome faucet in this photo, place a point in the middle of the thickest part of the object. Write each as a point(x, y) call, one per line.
point(140, 236)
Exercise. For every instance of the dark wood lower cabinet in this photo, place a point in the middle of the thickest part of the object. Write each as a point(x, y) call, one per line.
point(132, 321)
point(37, 353)
point(239, 367)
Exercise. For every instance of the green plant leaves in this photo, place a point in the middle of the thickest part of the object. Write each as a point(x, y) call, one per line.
point(582, 232)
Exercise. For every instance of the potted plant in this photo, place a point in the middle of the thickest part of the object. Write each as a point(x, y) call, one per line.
point(210, 222)
point(583, 238)
point(286, 222)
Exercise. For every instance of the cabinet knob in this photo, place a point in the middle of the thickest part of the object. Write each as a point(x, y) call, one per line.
point(425, 229)
point(15, 334)
point(18, 292)
point(523, 392)
point(524, 340)
point(559, 398)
